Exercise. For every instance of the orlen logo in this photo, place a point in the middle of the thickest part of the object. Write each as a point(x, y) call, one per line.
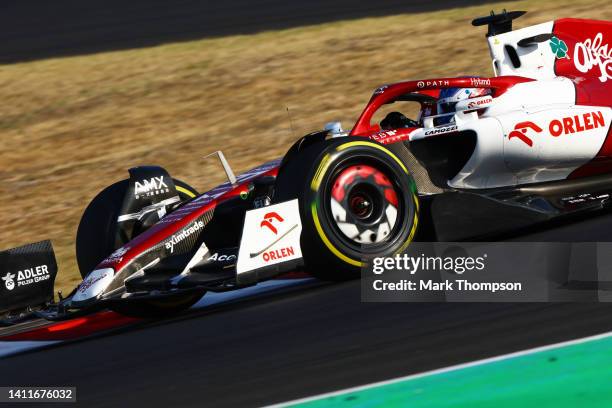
point(557, 127)
point(520, 130)
point(576, 123)
point(267, 221)
point(278, 254)
point(153, 186)
point(479, 102)
point(274, 254)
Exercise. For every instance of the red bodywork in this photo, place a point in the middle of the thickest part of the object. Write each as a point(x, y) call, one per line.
point(187, 214)
point(390, 93)
point(589, 47)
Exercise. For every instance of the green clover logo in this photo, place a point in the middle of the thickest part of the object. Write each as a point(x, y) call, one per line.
point(558, 47)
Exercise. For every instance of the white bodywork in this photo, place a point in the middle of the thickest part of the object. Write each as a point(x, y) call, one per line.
point(94, 284)
point(271, 235)
point(537, 61)
point(502, 160)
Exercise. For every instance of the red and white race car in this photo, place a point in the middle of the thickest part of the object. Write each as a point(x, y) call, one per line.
point(544, 117)
point(481, 156)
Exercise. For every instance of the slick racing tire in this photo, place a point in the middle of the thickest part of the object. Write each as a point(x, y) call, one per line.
point(97, 233)
point(357, 200)
point(156, 308)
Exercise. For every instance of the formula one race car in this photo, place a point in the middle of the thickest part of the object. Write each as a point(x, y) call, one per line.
point(483, 156)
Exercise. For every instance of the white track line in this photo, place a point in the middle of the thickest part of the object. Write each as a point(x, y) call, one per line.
point(446, 369)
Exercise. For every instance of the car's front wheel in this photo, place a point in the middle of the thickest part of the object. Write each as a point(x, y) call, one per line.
point(357, 200)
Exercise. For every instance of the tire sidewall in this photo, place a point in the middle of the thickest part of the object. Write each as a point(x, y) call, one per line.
point(324, 251)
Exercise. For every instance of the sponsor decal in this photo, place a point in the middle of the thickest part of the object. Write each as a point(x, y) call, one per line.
point(432, 83)
point(87, 283)
point(148, 188)
point(385, 134)
point(221, 258)
point(437, 131)
point(480, 82)
point(9, 281)
point(278, 254)
point(270, 235)
point(380, 89)
point(576, 123)
point(585, 198)
point(557, 127)
point(268, 219)
point(94, 284)
point(520, 130)
point(388, 136)
point(558, 47)
point(479, 102)
point(26, 277)
point(183, 234)
point(117, 256)
point(261, 202)
point(591, 53)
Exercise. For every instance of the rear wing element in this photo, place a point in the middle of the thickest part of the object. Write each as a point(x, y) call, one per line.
point(525, 52)
point(27, 276)
point(570, 47)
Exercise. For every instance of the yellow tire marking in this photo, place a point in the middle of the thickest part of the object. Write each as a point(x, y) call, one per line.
point(374, 145)
point(326, 241)
point(415, 222)
point(316, 183)
point(316, 180)
point(185, 191)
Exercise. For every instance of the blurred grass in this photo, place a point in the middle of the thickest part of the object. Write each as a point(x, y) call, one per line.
point(71, 126)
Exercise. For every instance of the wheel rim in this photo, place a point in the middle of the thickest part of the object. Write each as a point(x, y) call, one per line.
point(364, 205)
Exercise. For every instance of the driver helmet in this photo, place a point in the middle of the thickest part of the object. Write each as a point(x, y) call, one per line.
point(449, 97)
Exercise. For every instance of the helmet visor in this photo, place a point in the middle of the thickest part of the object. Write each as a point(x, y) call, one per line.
point(446, 107)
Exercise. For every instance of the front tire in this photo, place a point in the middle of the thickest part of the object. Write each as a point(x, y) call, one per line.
point(358, 201)
point(97, 233)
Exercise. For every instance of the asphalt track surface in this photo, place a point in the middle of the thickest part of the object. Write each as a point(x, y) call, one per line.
point(309, 341)
point(33, 29)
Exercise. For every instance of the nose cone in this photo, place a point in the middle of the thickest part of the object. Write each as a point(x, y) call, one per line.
point(93, 285)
